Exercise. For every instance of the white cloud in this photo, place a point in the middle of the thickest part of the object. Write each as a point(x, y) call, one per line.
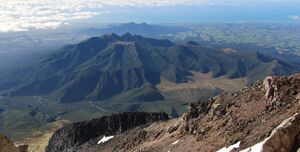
point(294, 17)
point(18, 15)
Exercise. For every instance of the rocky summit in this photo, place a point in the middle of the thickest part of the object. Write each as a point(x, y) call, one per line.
point(263, 117)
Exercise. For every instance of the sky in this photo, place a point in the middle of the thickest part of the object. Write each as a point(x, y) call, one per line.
point(20, 15)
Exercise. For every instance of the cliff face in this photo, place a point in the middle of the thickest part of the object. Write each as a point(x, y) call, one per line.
point(72, 136)
point(263, 117)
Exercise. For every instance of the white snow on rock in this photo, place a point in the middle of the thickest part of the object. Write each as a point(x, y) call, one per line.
point(175, 142)
point(256, 148)
point(105, 139)
point(230, 148)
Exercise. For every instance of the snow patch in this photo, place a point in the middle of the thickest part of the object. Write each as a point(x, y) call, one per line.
point(175, 142)
point(256, 148)
point(230, 148)
point(105, 139)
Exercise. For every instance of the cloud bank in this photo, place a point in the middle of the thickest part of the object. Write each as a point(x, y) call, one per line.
point(24, 15)
point(294, 17)
point(17, 15)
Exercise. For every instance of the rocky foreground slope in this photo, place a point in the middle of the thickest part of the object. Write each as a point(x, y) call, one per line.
point(263, 117)
point(6, 145)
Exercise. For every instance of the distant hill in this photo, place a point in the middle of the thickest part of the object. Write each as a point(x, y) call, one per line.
point(282, 38)
point(101, 68)
point(144, 29)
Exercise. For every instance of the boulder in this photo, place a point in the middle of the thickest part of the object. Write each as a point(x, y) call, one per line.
point(270, 90)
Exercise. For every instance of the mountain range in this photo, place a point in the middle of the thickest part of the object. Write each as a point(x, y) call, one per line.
point(103, 67)
point(147, 30)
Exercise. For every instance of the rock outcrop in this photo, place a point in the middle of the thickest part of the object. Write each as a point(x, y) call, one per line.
point(72, 136)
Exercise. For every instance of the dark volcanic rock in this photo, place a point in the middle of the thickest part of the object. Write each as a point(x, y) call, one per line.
point(79, 133)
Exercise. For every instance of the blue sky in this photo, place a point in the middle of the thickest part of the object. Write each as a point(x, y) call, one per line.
point(205, 14)
point(19, 15)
